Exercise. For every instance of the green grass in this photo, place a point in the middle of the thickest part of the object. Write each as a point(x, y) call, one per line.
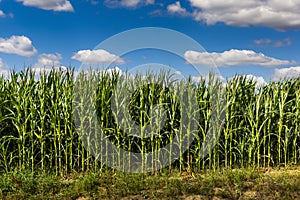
point(224, 184)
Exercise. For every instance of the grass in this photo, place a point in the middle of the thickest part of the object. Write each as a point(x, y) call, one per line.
point(224, 184)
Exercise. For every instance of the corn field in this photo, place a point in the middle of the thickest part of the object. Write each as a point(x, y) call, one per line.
point(37, 129)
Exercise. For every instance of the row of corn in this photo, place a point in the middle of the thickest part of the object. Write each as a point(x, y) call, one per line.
point(52, 121)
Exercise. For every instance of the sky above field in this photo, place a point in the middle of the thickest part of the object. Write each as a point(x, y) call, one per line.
point(259, 38)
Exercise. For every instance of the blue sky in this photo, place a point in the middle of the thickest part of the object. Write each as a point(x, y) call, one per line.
point(259, 38)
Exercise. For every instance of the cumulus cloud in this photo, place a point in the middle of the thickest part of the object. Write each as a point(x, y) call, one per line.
point(278, 14)
point(42, 70)
point(207, 78)
point(233, 57)
point(48, 62)
point(98, 56)
point(2, 14)
point(127, 3)
point(276, 43)
point(19, 45)
point(260, 81)
point(4, 71)
point(177, 9)
point(286, 73)
point(109, 71)
point(116, 69)
point(56, 5)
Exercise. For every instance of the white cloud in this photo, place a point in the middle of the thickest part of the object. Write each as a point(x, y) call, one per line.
point(278, 14)
point(260, 81)
point(286, 73)
point(130, 3)
point(177, 73)
point(109, 72)
point(41, 70)
point(98, 56)
point(4, 71)
point(1, 63)
point(150, 2)
point(48, 60)
point(285, 42)
point(276, 43)
point(2, 14)
point(207, 78)
point(233, 57)
point(56, 5)
point(127, 3)
point(19, 45)
point(177, 9)
point(265, 41)
point(116, 69)
point(156, 12)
